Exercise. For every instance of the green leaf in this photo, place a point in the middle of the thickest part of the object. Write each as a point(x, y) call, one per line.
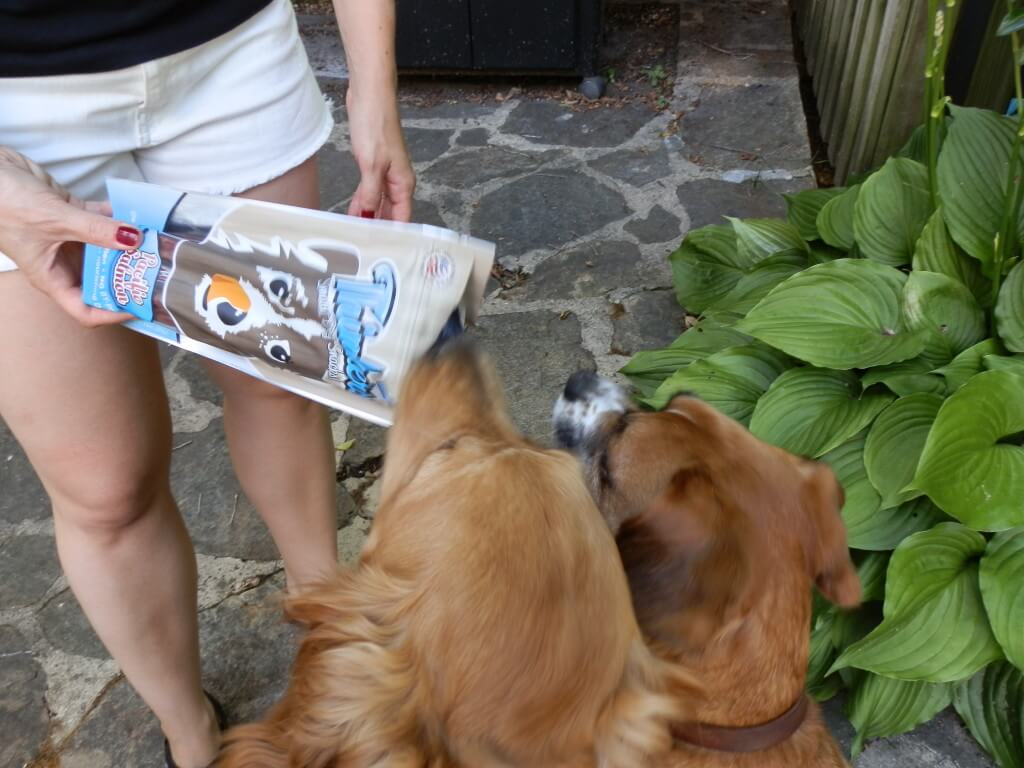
point(972, 179)
point(935, 628)
point(936, 252)
point(886, 528)
point(966, 364)
point(910, 377)
point(706, 267)
point(894, 445)
point(871, 568)
point(843, 314)
point(861, 499)
point(1012, 22)
point(966, 467)
point(851, 626)
point(1009, 310)
point(759, 281)
point(1012, 364)
point(802, 209)
point(822, 652)
point(946, 312)
point(881, 707)
point(916, 147)
point(758, 239)
point(835, 219)
point(1002, 575)
point(731, 380)
point(891, 210)
point(647, 369)
point(810, 411)
point(821, 253)
point(992, 705)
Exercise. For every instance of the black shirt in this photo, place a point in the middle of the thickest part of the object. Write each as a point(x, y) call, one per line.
point(64, 37)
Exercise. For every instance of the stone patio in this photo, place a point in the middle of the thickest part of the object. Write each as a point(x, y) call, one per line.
point(584, 204)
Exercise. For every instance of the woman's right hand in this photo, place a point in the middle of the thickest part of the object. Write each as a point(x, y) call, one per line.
point(42, 229)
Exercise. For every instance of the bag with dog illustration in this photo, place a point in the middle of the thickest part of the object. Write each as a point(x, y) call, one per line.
point(331, 307)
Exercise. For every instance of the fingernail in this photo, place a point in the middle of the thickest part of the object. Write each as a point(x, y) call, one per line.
point(128, 236)
point(368, 214)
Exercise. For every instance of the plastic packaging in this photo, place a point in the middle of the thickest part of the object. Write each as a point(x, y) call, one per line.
point(331, 307)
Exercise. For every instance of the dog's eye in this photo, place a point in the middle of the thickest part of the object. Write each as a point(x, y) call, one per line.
point(282, 289)
point(279, 350)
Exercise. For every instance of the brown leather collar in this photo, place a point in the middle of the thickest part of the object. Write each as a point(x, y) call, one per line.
point(754, 738)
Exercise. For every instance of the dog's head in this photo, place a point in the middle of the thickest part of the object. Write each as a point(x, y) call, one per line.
point(707, 517)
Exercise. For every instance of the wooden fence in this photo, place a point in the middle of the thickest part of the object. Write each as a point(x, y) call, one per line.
point(866, 60)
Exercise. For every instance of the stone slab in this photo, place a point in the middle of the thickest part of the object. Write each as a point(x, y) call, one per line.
point(545, 210)
point(473, 137)
point(476, 166)
point(646, 320)
point(589, 270)
point(637, 167)
point(339, 176)
point(707, 201)
point(535, 353)
point(119, 731)
point(426, 144)
point(28, 567)
point(659, 226)
point(544, 122)
point(21, 494)
point(67, 629)
point(24, 721)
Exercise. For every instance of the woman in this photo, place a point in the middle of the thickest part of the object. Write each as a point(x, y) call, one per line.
point(209, 97)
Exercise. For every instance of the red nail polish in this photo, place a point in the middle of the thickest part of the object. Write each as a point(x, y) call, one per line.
point(128, 236)
point(368, 214)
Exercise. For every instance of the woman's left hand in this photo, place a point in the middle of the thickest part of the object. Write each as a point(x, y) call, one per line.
point(387, 179)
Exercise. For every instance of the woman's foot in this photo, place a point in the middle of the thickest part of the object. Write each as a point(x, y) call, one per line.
point(198, 746)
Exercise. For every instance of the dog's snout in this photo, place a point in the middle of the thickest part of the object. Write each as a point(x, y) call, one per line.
point(579, 385)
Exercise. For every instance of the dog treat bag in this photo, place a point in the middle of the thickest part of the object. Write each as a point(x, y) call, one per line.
point(331, 307)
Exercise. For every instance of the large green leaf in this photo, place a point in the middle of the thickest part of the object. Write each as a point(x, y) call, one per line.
point(1012, 364)
point(881, 707)
point(891, 210)
point(759, 239)
point(887, 527)
point(972, 179)
point(731, 380)
point(910, 377)
point(871, 568)
point(966, 364)
point(822, 654)
point(936, 252)
point(802, 209)
point(810, 411)
point(861, 499)
point(706, 267)
point(759, 281)
point(835, 219)
point(966, 467)
point(843, 314)
point(935, 627)
point(1009, 310)
point(647, 369)
point(894, 445)
point(992, 705)
point(1002, 579)
point(947, 313)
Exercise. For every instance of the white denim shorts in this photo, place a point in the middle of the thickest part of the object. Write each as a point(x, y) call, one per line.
point(220, 118)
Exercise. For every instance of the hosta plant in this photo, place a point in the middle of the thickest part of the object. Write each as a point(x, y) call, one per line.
point(880, 328)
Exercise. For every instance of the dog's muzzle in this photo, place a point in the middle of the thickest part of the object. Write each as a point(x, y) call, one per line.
point(582, 406)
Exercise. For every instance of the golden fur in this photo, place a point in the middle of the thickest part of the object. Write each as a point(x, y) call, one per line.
point(488, 622)
point(722, 537)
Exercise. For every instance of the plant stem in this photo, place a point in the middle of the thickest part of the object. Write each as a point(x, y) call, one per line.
point(942, 21)
point(1007, 242)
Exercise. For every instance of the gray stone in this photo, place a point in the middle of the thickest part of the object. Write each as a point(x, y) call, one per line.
point(588, 270)
point(646, 320)
point(535, 353)
point(708, 200)
point(21, 494)
point(28, 566)
point(758, 126)
point(247, 650)
point(445, 110)
point(635, 166)
point(545, 210)
point(191, 367)
point(475, 166)
point(369, 441)
point(426, 212)
point(323, 46)
point(339, 176)
point(119, 731)
point(67, 629)
point(943, 742)
point(473, 137)
point(427, 144)
point(659, 226)
point(545, 122)
point(24, 721)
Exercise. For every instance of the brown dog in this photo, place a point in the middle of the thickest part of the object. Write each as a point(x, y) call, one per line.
point(488, 622)
point(722, 537)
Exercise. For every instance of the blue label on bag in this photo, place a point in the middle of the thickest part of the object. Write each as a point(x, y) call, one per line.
point(123, 281)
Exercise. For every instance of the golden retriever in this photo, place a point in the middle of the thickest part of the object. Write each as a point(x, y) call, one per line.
point(488, 622)
point(722, 537)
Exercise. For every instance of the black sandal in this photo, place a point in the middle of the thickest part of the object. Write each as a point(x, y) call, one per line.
point(222, 723)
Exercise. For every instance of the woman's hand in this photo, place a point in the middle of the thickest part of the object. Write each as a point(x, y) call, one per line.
point(42, 229)
point(387, 180)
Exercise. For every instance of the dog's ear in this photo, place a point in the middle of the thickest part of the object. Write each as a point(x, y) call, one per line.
point(688, 571)
point(827, 553)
